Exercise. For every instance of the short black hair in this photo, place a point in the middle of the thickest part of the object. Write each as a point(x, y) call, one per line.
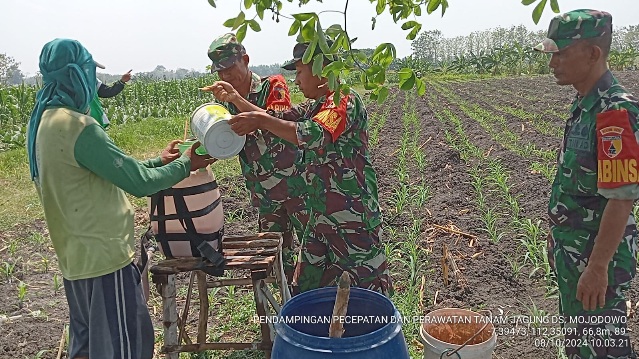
point(604, 42)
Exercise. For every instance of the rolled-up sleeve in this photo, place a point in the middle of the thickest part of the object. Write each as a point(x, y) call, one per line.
point(629, 191)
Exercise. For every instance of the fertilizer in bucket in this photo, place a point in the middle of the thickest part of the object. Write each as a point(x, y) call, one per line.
point(209, 124)
point(457, 333)
point(372, 329)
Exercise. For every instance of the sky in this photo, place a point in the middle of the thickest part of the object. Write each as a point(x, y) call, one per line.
point(141, 34)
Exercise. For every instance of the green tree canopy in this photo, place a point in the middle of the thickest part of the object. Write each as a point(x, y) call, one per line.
point(307, 27)
point(10, 73)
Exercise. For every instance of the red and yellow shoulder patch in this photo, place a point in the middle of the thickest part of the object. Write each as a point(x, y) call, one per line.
point(617, 150)
point(279, 98)
point(333, 118)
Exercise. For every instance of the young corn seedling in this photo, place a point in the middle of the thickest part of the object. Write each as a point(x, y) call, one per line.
point(489, 218)
point(37, 238)
point(400, 197)
point(515, 265)
point(13, 248)
point(57, 283)
point(45, 262)
point(422, 195)
point(411, 246)
point(420, 160)
point(38, 355)
point(546, 169)
point(8, 270)
point(22, 293)
point(533, 239)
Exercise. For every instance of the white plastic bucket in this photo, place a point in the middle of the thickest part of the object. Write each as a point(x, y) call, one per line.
point(446, 329)
point(209, 123)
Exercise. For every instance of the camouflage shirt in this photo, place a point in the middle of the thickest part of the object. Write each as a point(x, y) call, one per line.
point(597, 160)
point(267, 159)
point(340, 178)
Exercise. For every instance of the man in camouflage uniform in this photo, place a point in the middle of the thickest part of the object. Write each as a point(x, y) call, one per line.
point(341, 219)
point(593, 234)
point(267, 161)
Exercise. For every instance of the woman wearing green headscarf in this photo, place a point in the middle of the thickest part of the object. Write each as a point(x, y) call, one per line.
point(81, 177)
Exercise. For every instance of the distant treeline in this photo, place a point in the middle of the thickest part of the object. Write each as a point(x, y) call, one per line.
point(162, 73)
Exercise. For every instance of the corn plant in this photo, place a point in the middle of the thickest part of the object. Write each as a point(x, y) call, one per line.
point(546, 169)
point(532, 238)
point(422, 194)
point(36, 238)
point(57, 283)
point(515, 265)
point(400, 197)
point(230, 292)
point(8, 269)
point(22, 293)
point(412, 247)
point(377, 121)
point(45, 262)
point(420, 159)
point(13, 248)
point(489, 218)
point(38, 355)
point(235, 216)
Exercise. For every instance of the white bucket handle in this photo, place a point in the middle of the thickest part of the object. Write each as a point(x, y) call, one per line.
point(449, 352)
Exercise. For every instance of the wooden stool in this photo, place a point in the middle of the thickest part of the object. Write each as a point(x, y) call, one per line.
point(260, 254)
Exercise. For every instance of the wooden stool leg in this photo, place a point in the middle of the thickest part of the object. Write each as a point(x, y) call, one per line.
point(280, 278)
point(261, 305)
point(170, 316)
point(204, 307)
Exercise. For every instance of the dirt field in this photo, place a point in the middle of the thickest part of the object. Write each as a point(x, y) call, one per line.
point(469, 134)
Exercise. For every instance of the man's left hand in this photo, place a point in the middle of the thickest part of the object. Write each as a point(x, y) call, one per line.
point(170, 152)
point(592, 285)
point(247, 122)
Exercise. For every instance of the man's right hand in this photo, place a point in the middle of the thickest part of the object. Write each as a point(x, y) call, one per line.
point(126, 77)
point(222, 91)
point(198, 161)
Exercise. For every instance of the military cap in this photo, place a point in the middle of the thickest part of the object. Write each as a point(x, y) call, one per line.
point(224, 51)
point(298, 53)
point(574, 25)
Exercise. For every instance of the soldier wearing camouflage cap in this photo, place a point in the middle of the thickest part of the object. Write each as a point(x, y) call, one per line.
point(266, 160)
point(592, 242)
point(340, 218)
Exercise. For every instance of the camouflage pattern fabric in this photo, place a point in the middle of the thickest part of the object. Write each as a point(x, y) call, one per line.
point(595, 163)
point(340, 219)
point(325, 256)
point(574, 25)
point(224, 51)
point(268, 162)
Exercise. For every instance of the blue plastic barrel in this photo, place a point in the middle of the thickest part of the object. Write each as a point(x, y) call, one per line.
point(372, 326)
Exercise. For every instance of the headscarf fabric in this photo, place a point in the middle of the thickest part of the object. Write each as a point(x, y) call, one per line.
point(68, 80)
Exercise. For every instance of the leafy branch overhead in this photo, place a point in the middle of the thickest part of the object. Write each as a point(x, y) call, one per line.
point(371, 70)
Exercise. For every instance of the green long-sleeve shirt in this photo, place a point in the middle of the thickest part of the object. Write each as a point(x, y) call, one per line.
point(82, 184)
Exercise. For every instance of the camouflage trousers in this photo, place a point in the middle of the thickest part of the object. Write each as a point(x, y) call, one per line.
point(324, 257)
point(603, 332)
point(276, 217)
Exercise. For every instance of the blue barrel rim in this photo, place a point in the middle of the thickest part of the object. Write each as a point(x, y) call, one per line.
point(358, 343)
